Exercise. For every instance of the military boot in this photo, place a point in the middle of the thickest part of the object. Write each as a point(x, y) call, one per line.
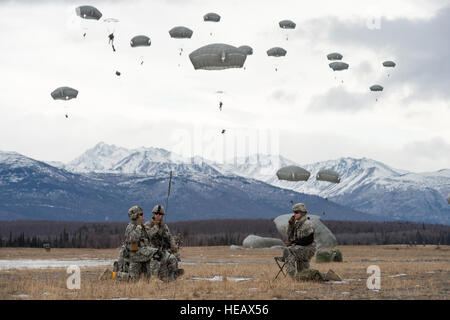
point(332, 276)
point(179, 272)
point(116, 266)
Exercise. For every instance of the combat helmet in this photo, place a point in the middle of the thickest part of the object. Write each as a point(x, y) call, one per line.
point(299, 207)
point(133, 212)
point(159, 209)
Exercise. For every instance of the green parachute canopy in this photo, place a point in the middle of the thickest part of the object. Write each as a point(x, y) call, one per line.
point(334, 56)
point(140, 41)
point(293, 173)
point(276, 52)
point(180, 32)
point(246, 49)
point(64, 93)
point(338, 66)
point(213, 17)
point(88, 12)
point(328, 175)
point(287, 24)
point(389, 64)
point(217, 56)
point(376, 87)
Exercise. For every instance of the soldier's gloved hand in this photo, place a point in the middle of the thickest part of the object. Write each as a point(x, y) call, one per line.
point(288, 243)
point(174, 250)
point(292, 220)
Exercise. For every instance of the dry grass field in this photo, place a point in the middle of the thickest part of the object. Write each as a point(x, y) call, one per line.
point(421, 272)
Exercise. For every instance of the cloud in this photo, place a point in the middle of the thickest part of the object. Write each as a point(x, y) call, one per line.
point(338, 99)
point(283, 96)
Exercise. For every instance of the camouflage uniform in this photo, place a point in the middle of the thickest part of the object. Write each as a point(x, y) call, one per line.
point(161, 238)
point(297, 256)
point(137, 245)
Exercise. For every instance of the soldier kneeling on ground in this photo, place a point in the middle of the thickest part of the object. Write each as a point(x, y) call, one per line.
point(161, 238)
point(301, 248)
point(136, 255)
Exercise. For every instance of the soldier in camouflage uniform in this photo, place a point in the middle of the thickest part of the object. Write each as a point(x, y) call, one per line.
point(141, 254)
point(301, 248)
point(161, 238)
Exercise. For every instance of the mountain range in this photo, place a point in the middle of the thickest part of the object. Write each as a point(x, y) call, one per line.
point(106, 180)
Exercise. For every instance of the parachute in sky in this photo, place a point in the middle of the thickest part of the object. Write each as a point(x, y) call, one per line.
point(246, 49)
point(293, 173)
point(64, 93)
point(389, 64)
point(212, 17)
point(140, 41)
point(328, 175)
point(180, 32)
point(338, 66)
point(88, 12)
point(276, 52)
point(287, 24)
point(376, 88)
point(334, 56)
point(111, 29)
point(217, 56)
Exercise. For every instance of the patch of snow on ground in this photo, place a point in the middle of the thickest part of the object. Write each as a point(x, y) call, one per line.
point(51, 263)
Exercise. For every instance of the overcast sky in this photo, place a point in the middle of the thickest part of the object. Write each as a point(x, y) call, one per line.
point(303, 109)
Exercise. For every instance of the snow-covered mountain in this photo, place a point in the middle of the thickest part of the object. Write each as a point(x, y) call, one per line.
point(366, 185)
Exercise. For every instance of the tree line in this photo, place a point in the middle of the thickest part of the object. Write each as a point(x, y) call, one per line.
point(99, 235)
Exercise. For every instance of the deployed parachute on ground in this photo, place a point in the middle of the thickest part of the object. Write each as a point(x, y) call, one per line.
point(334, 56)
point(64, 93)
point(253, 241)
point(140, 41)
point(328, 175)
point(338, 66)
point(293, 173)
point(217, 56)
point(322, 235)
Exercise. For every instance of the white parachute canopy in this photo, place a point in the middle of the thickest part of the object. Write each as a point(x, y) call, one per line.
point(252, 241)
point(322, 235)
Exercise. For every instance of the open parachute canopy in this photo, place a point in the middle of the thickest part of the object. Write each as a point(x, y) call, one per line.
point(376, 87)
point(246, 49)
point(64, 93)
point(276, 52)
point(88, 12)
point(287, 24)
point(213, 17)
point(338, 66)
point(217, 56)
point(334, 56)
point(180, 32)
point(140, 41)
point(293, 173)
point(389, 64)
point(328, 175)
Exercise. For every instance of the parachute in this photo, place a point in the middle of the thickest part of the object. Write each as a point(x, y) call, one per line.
point(64, 93)
point(253, 241)
point(287, 24)
point(323, 237)
point(376, 87)
point(246, 49)
point(293, 173)
point(88, 12)
point(110, 29)
point(338, 66)
point(389, 64)
point(180, 33)
point(140, 41)
point(212, 17)
point(217, 56)
point(276, 52)
point(334, 56)
point(328, 175)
